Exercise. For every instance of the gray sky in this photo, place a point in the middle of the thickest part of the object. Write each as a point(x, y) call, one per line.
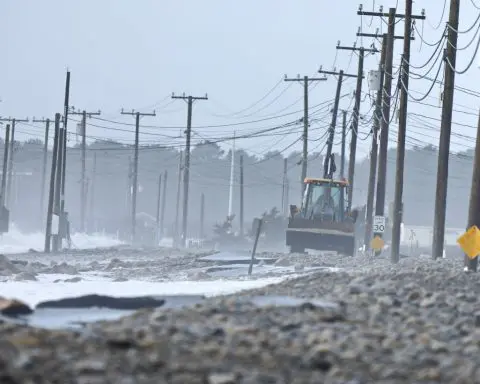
point(135, 53)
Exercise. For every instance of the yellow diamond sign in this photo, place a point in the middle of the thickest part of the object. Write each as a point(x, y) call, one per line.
point(377, 243)
point(470, 242)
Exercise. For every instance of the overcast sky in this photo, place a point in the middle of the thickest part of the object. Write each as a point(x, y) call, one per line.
point(135, 53)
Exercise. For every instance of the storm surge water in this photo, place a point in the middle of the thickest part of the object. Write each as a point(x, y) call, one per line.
point(16, 241)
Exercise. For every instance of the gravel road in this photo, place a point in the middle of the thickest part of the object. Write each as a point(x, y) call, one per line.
point(415, 322)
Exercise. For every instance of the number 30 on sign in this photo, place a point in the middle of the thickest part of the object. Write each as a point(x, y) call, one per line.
point(379, 224)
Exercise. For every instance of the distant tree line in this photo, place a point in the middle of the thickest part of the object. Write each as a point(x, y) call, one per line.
point(209, 174)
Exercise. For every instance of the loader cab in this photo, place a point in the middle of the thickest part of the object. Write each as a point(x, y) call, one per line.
point(325, 200)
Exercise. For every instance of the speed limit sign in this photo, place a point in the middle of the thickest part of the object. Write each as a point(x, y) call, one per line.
point(379, 224)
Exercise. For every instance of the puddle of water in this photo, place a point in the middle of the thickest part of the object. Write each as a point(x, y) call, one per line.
point(289, 301)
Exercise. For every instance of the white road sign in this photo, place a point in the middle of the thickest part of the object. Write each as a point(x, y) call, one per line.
point(379, 224)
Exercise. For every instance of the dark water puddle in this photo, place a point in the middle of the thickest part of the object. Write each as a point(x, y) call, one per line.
point(63, 314)
point(76, 311)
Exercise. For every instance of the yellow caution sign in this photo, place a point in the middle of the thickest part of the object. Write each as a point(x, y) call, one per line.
point(377, 243)
point(470, 242)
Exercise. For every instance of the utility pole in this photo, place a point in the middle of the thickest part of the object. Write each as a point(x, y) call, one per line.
point(402, 131)
point(386, 99)
point(92, 194)
point(179, 191)
point(5, 163)
point(157, 221)
point(202, 215)
point(329, 164)
point(474, 206)
point(5, 215)
point(186, 171)
point(56, 238)
point(241, 196)
point(44, 165)
point(164, 202)
point(445, 131)
point(83, 194)
point(135, 170)
point(356, 113)
point(306, 82)
point(374, 150)
point(284, 188)
point(344, 139)
point(63, 219)
point(232, 179)
point(13, 121)
point(51, 195)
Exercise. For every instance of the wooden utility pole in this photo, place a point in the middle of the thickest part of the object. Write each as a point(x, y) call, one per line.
point(374, 150)
point(387, 95)
point(51, 194)
point(306, 82)
point(382, 120)
point(56, 237)
point(4, 213)
point(445, 132)
point(179, 192)
point(356, 113)
point(92, 194)
point(83, 194)
point(241, 197)
point(402, 131)
point(13, 121)
point(63, 215)
point(44, 165)
point(202, 215)
point(5, 164)
point(157, 221)
point(186, 171)
point(284, 187)
point(135, 170)
point(329, 164)
point(474, 206)
point(164, 202)
point(344, 139)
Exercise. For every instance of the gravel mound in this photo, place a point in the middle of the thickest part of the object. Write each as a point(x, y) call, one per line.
point(415, 322)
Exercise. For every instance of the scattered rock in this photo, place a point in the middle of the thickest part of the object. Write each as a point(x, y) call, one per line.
point(298, 267)
point(283, 262)
point(370, 322)
point(19, 262)
point(115, 264)
point(73, 280)
point(63, 269)
point(198, 275)
point(120, 279)
point(25, 276)
point(12, 307)
point(222, 378)
point(7, 268)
